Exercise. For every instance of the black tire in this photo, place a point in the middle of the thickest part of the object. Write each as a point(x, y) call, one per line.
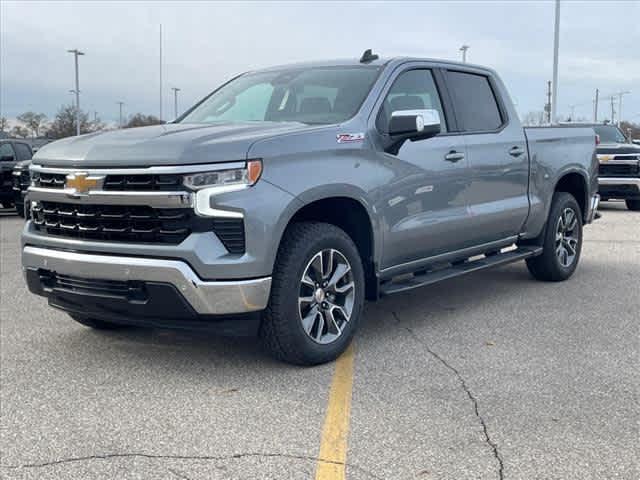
point(282, 332)
point(549, 266)
point(633, 205)
point(95, 323)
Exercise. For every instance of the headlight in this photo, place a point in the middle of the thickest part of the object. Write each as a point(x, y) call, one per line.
point(246, 176)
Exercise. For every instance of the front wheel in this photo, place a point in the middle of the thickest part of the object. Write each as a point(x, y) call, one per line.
point(562, 241)
point(633, 205)
point(317, 295)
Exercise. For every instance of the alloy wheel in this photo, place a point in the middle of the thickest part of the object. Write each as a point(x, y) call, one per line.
point(327, 296)
point(567, 237)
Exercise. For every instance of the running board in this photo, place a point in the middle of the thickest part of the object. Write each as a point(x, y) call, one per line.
point(455, 270)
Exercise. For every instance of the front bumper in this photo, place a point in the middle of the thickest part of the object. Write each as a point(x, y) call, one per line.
point(619, 187)
point(202, 297)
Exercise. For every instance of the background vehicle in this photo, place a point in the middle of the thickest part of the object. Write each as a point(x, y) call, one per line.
point(11, 152)
point(287, 196)
point(619, 166)
point(21, 182)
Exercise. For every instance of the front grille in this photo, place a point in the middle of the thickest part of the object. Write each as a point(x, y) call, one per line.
point(49, 180)
point(130, 290)
point(627, 157)
point(119, 223)
point(230, 231)
point(612, 169)
point(144, 183)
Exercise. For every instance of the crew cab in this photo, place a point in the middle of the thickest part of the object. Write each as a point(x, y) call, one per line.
point(285, 198)
point(619, 166)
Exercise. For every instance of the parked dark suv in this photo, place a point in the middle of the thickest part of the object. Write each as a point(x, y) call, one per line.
point(11, 152)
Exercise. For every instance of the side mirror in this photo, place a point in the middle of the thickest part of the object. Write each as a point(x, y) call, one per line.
point(7, 158)
point(414, 124)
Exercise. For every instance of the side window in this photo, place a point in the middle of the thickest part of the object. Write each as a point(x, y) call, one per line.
point(6, 150)
point(412, 90)
point(474, 101)
point(24, 152)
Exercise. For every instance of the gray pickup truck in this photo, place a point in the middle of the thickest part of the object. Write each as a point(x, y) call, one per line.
point(288, 196)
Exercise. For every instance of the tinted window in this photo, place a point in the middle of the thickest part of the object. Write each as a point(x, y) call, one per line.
point(412, 90)
point(6, 150)
point(321, 95)
point(610, 134)
point(475, 103)
point(24, 152)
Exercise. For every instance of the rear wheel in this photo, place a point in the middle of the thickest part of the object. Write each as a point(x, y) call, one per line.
point(562, 242)
point(633, 205)
point(95, 323)
point(317, 295)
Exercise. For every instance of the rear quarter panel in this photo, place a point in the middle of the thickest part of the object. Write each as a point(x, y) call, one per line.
point(555, 152)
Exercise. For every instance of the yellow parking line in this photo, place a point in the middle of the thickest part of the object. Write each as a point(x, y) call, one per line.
point(333, 445)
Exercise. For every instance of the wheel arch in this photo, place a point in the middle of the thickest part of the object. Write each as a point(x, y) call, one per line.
point(575, 182)
point(349, 211)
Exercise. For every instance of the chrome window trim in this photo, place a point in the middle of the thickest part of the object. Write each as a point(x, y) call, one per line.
point(152, 170)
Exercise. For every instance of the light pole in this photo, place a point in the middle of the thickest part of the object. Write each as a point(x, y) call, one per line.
point(160, 72)
point(120, 104)
point(175, 101)
point(464, 49)
point(620, 94)
point(76, 54)
point(556, 44)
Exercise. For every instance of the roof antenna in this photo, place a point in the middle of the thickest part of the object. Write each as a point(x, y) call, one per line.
point(368, 56)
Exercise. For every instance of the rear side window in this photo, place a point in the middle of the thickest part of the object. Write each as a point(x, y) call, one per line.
point(475, 103)
point(24, 152)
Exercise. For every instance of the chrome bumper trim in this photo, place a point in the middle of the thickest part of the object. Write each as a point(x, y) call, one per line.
point(102, 197)
point(619, 181)
point(206, 297)
point(159, 170)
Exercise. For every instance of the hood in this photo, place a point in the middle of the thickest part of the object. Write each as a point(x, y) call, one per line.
point(617, 148)
point(169, 144)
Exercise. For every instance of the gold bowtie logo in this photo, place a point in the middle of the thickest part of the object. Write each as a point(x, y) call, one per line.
point(81, 182)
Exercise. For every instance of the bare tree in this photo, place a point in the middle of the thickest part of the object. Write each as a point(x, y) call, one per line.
point(19, 131)
point(35, 122)
point(142, 120)
point(533, 119)
point(4, 124)
point(64, 124)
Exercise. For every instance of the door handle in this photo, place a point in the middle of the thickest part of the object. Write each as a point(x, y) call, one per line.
point(454, 156)
point(516, 151)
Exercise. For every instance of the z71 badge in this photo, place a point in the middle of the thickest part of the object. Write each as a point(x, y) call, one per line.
point(350, 137)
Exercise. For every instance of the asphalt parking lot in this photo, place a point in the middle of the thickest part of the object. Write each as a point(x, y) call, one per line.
point(490, 376)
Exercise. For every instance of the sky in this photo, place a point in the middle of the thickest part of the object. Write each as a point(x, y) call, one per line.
point(206, 43)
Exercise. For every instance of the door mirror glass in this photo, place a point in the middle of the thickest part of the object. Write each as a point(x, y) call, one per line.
point(414, 124)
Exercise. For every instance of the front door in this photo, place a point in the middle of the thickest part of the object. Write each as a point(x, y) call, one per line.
point(423, 207)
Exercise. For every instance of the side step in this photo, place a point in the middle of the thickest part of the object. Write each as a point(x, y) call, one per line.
point(455, 270)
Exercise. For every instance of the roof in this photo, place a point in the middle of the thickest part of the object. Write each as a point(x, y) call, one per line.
point(355, 62)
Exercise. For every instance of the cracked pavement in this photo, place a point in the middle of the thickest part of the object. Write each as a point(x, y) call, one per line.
point(489, 376)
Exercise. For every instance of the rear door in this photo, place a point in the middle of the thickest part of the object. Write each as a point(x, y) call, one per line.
point(423, 206)
point(496, 154)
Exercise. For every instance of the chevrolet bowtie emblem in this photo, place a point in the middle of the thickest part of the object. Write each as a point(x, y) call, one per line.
point(80, 182)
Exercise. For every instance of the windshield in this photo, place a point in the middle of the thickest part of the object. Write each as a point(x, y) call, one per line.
point(322, 95)
point(610, 134)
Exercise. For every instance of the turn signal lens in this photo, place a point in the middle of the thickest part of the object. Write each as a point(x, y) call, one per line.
point(254, 170)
